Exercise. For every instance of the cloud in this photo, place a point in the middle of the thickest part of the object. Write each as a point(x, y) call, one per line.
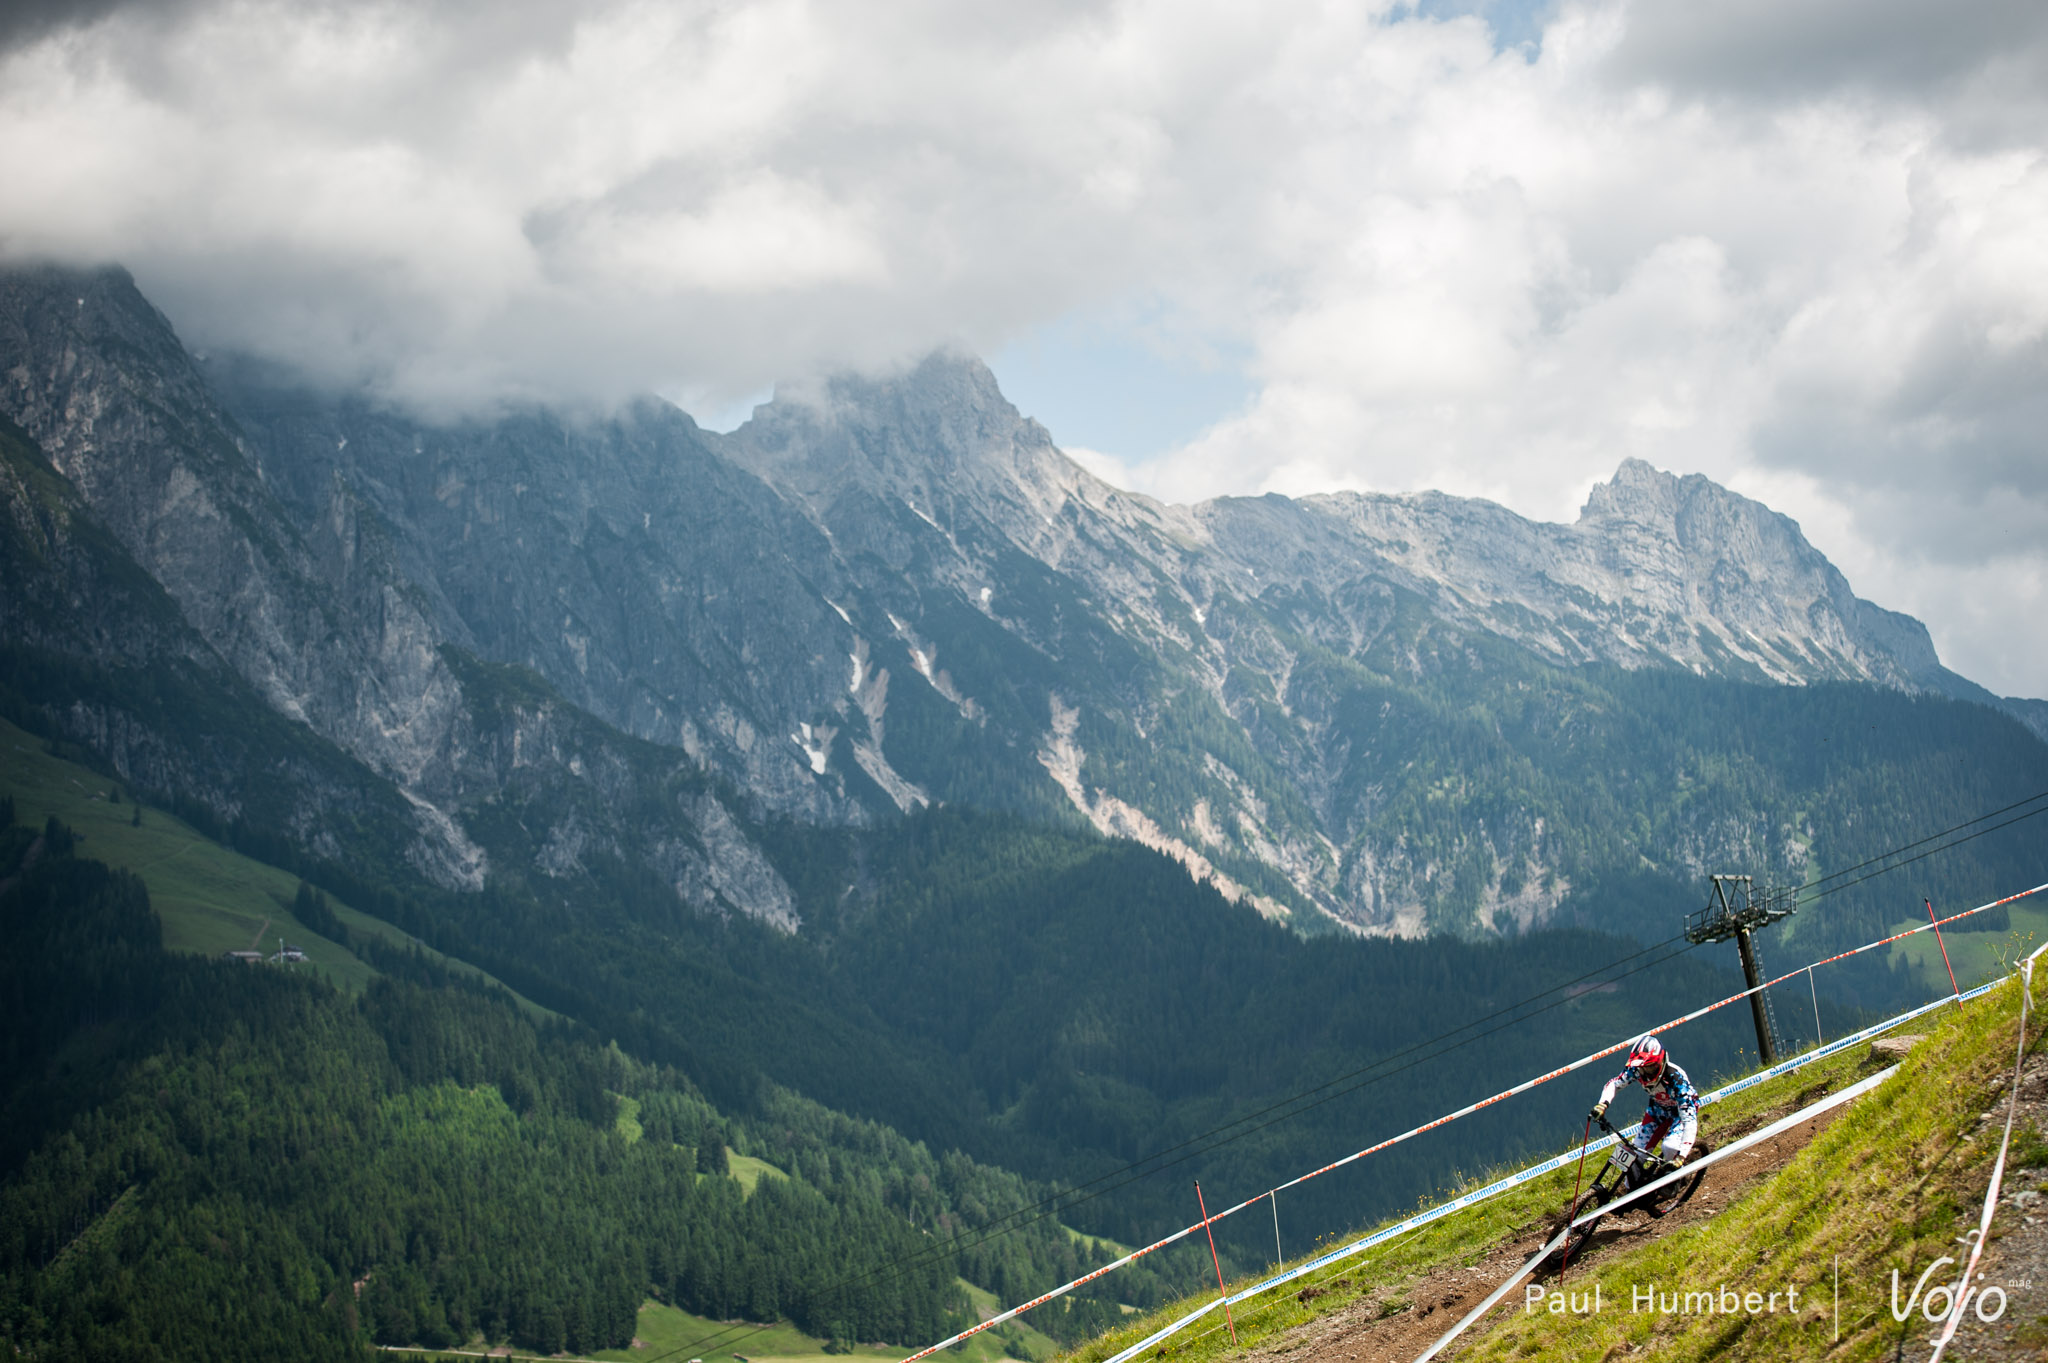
point(1802, 249)
point(1883, 48)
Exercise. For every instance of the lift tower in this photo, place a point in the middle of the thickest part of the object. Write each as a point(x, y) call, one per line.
point(1737, 910)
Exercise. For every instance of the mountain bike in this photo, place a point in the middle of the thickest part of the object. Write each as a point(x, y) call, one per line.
point(1629, 1167)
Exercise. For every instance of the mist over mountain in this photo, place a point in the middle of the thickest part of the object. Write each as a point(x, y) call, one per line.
point(891, 592)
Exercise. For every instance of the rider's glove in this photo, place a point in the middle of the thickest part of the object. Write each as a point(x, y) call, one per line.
point(1599, 1111)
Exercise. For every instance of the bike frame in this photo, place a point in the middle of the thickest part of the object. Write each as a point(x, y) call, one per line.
point(1626, 1157)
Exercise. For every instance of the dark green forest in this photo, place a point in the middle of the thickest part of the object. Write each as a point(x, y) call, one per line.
point(212, 1160)
point(1062, 1005)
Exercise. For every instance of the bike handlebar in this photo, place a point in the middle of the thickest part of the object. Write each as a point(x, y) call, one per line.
point(1621, 1136)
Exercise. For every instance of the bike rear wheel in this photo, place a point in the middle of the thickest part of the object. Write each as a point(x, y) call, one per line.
point(1686, 1187)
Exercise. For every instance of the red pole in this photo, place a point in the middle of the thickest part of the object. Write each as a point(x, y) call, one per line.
point(1952, 986)
point(1203, 1204)
point(1584, 1140)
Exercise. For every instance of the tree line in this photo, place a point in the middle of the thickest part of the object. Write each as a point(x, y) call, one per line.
point(201, 1159)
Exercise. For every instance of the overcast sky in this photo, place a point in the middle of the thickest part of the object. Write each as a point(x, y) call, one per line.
point(1488, 246)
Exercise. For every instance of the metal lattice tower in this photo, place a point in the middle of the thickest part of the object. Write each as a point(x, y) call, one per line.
point(1737, 910)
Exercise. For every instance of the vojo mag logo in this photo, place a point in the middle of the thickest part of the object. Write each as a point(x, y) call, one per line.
point(1976, 1297)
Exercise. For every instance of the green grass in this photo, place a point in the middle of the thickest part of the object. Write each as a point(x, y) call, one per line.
point(750, 1171)
point(675, 1336)
point(986, 1303)
point(628, 1123)
point(666, 1329)
point(1095, 1241)
point(1883, 1184)
point(211, 899)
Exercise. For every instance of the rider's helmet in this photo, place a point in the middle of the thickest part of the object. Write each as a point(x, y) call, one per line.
point(1647, 1059)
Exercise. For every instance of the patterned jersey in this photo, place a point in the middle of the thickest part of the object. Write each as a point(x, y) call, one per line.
point(1673, 1105)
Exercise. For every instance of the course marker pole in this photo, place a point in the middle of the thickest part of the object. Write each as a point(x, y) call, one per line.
point(1222, 1292)
point(1953, 988)
point(1576, 1176)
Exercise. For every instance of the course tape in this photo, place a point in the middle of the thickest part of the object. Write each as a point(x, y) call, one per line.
point(1783, 1124)
point(1061, 1291)
point(1534, 1171)
point(1960, 1293)
point(1444, 1120)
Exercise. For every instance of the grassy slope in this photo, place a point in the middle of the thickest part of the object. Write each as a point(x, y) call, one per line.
point(750, 1171)
point(1887, 1185)
point(671, 1335)
point(211, 899)
point(666, 1330)
point(1096, 1242)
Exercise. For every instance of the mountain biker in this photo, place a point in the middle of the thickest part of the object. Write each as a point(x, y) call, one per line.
point(1671, 1122)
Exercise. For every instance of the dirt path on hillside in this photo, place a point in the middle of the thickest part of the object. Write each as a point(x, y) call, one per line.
point(1394, 1323)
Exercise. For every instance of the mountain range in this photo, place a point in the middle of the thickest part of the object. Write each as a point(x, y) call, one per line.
point(878, 595)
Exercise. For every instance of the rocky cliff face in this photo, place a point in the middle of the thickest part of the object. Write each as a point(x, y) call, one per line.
point(1658, 570)
point(651, 582)
point(324, 632)
point(313, 598)
point(95, 646)
point(884, 593)
point(1148, 624)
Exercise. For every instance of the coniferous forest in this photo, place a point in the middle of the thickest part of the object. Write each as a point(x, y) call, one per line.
point(213, 1160)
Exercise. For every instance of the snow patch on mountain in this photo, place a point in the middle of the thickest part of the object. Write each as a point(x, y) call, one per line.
point(924, 657)
point(871, 698)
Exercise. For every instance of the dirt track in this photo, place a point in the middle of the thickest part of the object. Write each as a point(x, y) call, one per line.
point(1392, 1324)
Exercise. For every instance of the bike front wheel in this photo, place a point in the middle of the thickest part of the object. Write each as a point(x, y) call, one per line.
point(1568, 1252)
